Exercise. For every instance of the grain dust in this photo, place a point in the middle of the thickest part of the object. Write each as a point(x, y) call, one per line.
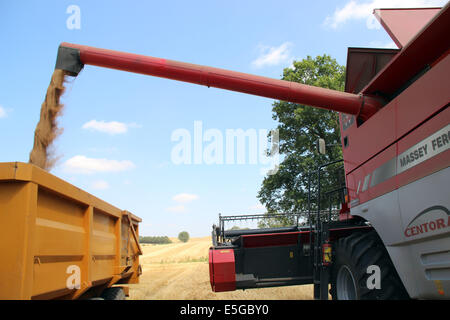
point(47, 130)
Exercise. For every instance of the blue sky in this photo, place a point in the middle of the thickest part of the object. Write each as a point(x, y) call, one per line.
point(116, 142)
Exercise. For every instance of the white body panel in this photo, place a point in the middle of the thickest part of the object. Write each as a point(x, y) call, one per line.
point(414, 224)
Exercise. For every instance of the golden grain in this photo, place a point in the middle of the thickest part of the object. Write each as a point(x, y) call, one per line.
point(180, 271)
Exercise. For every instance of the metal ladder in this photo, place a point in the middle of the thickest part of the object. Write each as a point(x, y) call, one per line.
point(320, 231)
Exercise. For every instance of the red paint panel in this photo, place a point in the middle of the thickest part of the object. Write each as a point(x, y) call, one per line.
point(414, 105)
point(424, 97)
point(427, 167)
point(222, 272)
point(211, 268)
point(370, 138)
point(358, 177)
point(403, 24)
point(394, 180)
point(423, 50)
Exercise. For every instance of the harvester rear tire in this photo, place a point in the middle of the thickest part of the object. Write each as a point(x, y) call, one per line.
point(349, 274)
point(114, 293)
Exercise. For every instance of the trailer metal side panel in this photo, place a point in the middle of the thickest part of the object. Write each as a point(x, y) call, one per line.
point(54, 234)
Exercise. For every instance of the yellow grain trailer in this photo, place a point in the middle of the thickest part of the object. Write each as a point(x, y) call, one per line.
point(60, 242)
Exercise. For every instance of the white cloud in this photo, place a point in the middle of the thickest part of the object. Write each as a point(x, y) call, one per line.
point(185, 197)
point(85, 165)
point(100, 185)
point(112, 127)
point(357, 10)
point(177, 209)
point(272, 56)
point(2, 112)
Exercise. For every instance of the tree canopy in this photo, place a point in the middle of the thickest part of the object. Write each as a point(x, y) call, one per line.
point(183, 236)
point(299, 128)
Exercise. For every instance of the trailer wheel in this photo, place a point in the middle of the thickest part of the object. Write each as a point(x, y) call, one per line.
point(349, 274)
point(114, 293)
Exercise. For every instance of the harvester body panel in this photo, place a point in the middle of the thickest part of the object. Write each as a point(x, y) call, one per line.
point(414, 223)
point(403, 24)
point(369, 146)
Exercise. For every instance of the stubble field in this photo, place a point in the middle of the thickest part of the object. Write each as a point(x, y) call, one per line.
point(180, 271)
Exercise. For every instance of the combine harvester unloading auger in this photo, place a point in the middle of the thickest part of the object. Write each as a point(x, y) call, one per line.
point(72, 58)
point(395, 136)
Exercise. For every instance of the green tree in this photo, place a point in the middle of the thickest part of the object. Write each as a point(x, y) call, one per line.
point(299, 128)
point(183, 236)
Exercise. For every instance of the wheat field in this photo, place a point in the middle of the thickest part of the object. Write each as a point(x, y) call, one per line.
point(180, 271)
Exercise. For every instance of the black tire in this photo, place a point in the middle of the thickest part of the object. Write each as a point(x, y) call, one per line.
point(114, 293)
point(353, 255)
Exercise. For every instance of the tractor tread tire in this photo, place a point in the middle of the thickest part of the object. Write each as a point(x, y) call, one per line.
point(357, 252)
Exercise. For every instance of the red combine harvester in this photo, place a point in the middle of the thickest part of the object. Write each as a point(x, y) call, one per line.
point(390, 239)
